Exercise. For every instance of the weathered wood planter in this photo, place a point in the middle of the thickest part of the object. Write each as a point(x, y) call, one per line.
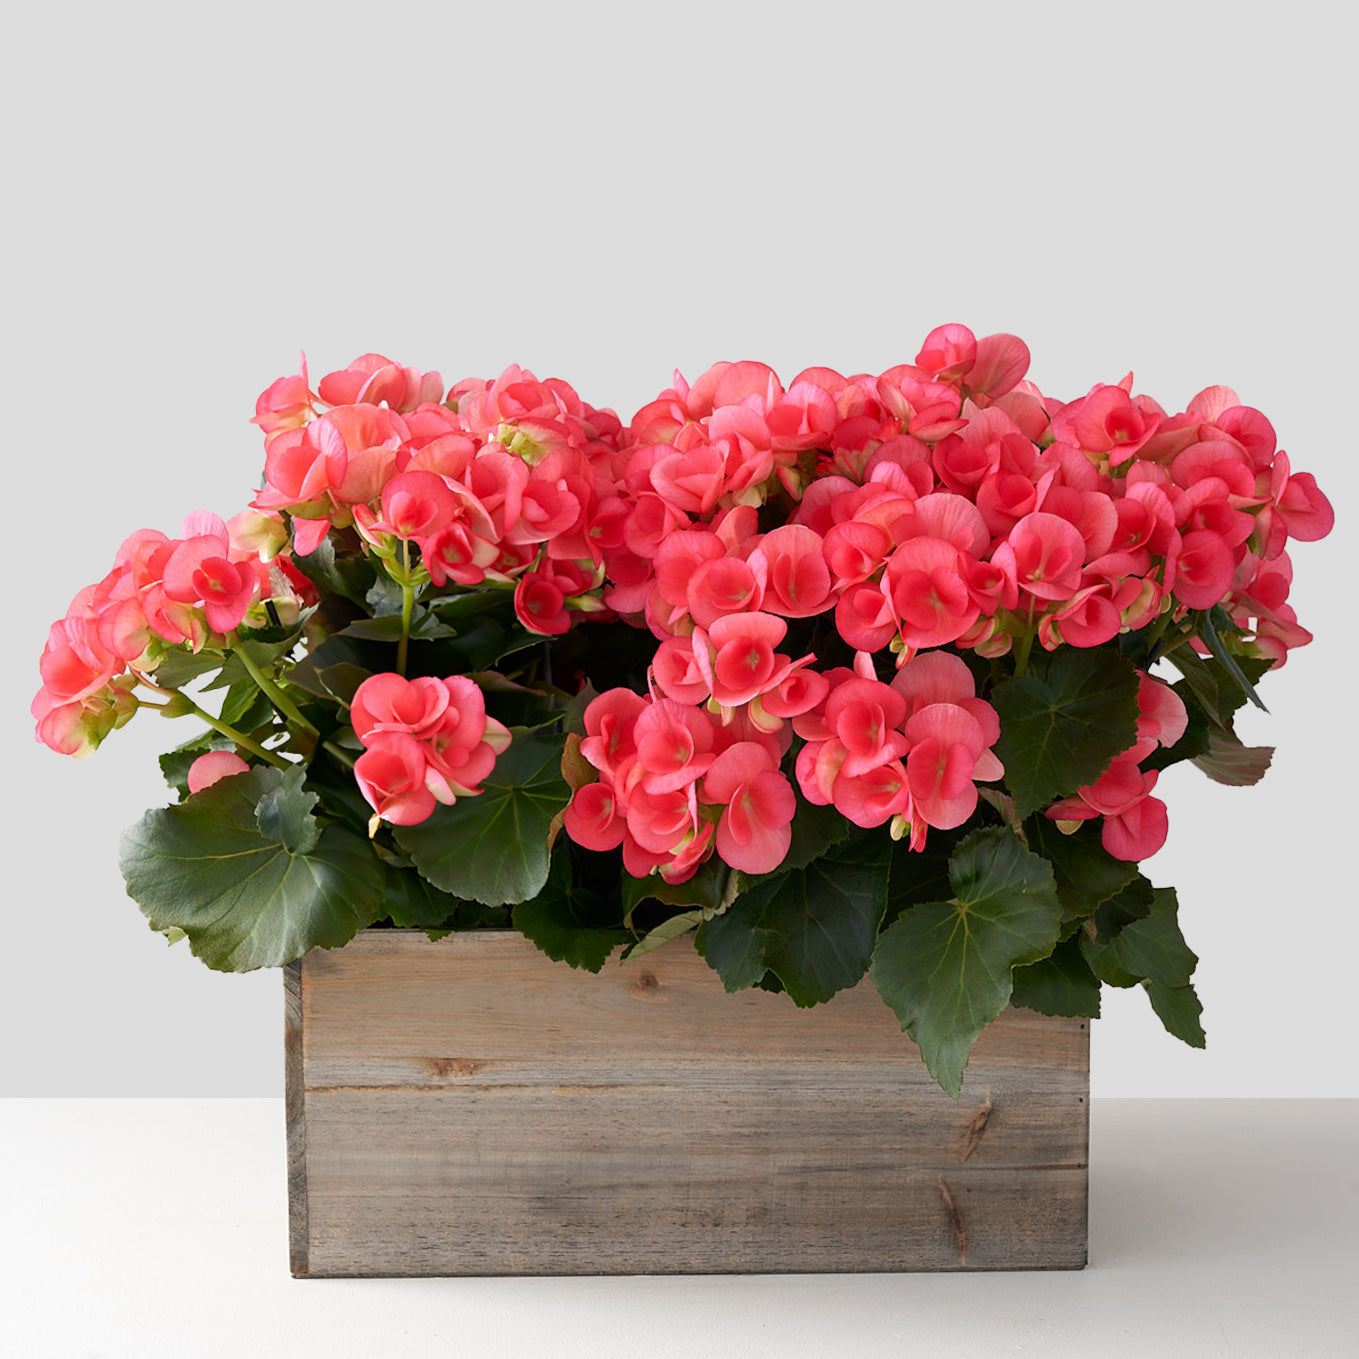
point(469, 1107)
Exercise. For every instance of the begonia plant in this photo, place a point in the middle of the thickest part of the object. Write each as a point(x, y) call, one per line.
point(850, 675)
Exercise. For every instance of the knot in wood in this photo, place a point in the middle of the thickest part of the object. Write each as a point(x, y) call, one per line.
point(646, 987)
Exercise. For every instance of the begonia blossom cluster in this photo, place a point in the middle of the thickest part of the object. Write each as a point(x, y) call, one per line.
point(815, 560)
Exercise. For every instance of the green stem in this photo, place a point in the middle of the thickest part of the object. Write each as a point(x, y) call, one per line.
point(271, 691)
point(216, 723)
point(407, 607)
point(1023, 645)
point(343, 756)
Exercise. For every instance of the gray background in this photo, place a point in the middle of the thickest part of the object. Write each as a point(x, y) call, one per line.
point(604, 194)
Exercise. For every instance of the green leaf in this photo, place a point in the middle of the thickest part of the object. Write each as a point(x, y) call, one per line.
point(342, 680)
point(264, 654)
point(179, 668)
point(920, 875)
point(471, 602)
point(242, 897)
point(1085, 872)
point(351, 577)
point(311, 672)
point(246, 706)
point(945, 967)
point(284, 813)
point(1209, 620)
point(1214, 688)
point(1133, 903)
point(1151, 948)
point(1228, 761)
point(667, 930)
point(708, 888)
point(493, 848)
point(1062, 732)
point(570, 923)
point(813, 928)
point(413, 902)
point(1179, 1010)
point(385, 597)
point(1061, 984)
point(387, 627)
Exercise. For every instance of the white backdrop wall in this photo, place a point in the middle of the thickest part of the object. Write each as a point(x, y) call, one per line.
point(603, 194)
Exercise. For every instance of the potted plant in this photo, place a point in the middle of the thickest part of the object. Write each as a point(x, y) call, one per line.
point(861, 684)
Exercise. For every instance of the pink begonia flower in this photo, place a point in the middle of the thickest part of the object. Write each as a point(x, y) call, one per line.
point(1138, 831)
point(391, 703)
point(415, 505)
point(540, 603)
point(797, 581)
point(74, 664)
point(864, 617)
point(675, 745)
point(1107, 420)
point(946, 742)
point(926, 584)
point(999, 366)
point(551, 506)
point(610, 729)
point(1306, 512)
point(798, 692)
point(743, 437)
point(446, 723)
point(377, 380)
point(736, 656)
point(875, 797)
point(725, 585)
point(691, 481)
point(391, 777)
point(675, 672)
point(1042, 554)
point(215, 765)
point(685, 858)
point(1162, 714)
point(256, 533)
point(453, 769)
point(649, 524)
point(1089, 618)
point(804, 418)
point(462, 551)
point(200, 572)
point(754, 830)
point(948, 352)
point(1203, 569)
point(77, 727)
point(593, 818)
point(661, 822)
point(864, 716)
point(285, 404)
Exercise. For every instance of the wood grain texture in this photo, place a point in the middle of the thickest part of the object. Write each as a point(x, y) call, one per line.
point(470, 1107)
point(295, 1114)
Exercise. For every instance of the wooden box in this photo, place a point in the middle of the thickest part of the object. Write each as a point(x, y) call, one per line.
point(470, 1107)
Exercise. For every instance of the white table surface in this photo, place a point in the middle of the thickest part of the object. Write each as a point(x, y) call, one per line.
point(149, 1228)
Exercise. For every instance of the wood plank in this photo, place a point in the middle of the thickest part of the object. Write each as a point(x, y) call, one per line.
point(473, 1108)
point(295, 1116)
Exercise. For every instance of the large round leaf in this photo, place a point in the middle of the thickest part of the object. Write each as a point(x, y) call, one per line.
point(493, 848)
point(813, 928)
point(1061, 731)
point(945, 966)
point(245, 871)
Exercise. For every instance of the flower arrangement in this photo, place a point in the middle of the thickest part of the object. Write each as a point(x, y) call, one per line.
point(864, 674)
